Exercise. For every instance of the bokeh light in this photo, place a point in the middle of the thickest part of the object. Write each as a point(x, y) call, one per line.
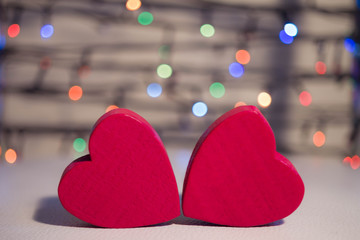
point(264, 99)
point(154, 90)
point(145, 18)
point(10, 156)
point(199, 109)
point(47, 31)
point(84, 71)
point(164, 51)
point(319, 139)
point(13, 30)
point(133, 5)
point(79, 145)
point(111, 107)
point(217, 90)
point(355, 162)
point(0, 150)
point(243, 56)
point(2, 41)
point(305, 98)
point(164, 71)
point(284, 38)
point(349, 45)
point(347, 160)
point(291, 29)
point(320, 67)
point(236, 69)
point(45, 63)
point(75, 93)
point(240, 103)
point(207, 30)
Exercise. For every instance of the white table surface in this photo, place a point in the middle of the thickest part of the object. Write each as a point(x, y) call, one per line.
point(30, 209)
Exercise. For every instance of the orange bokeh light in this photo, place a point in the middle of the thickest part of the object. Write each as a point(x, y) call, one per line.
point(10, 156)
point(320, 67)
point(243, 57)
point(238, 104)
point(319, 139)
point(133, 5)
point(75, 93)
point(13, 30)
point(305, 98)
point(111, 107)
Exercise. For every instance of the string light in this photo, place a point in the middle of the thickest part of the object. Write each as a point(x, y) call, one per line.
point(145, 18)
point(236, 70)
point(47, 31)
point(10, 156)
point(154, 90)
point(264, 99)
point(79, 145)
point(240, 103)
point(284, 38)
point(75, 93)
point(217, 90)
point(242, 56)
point(133, 5)
point(207, 30)
point(13, 30)
point(305, 98)
point(319, 139)
point(111, 107)
point(291, 29)
point(320, 67)
point(164, 71)
point(199, 109)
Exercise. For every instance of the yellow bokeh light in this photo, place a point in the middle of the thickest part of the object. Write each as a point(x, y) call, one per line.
point(133, 5)
point(111, 107)
point(264, 99)
point(238, 104)
point(10, 156)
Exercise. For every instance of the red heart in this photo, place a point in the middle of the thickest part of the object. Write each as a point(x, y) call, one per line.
point(235, 176)
point(126, 181)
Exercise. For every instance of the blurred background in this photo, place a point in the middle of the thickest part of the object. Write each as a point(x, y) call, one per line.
point(179, 64)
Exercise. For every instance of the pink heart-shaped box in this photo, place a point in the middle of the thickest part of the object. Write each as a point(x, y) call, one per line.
point(235, 176)
point(126, 181)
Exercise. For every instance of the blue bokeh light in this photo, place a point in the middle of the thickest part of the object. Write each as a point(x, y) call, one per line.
point(47, 31)
point(199, 109)
point(349, 45)
point(154, 90)
point(236, 69)
point(291, 29)
point(284, 38)
point(2, 41)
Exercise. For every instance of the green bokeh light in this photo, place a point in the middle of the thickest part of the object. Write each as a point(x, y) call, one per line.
point(79, 145)
point(207, 30)
point(217, 90)
point(145, 18)
point(164, 51)
point(164, 71)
